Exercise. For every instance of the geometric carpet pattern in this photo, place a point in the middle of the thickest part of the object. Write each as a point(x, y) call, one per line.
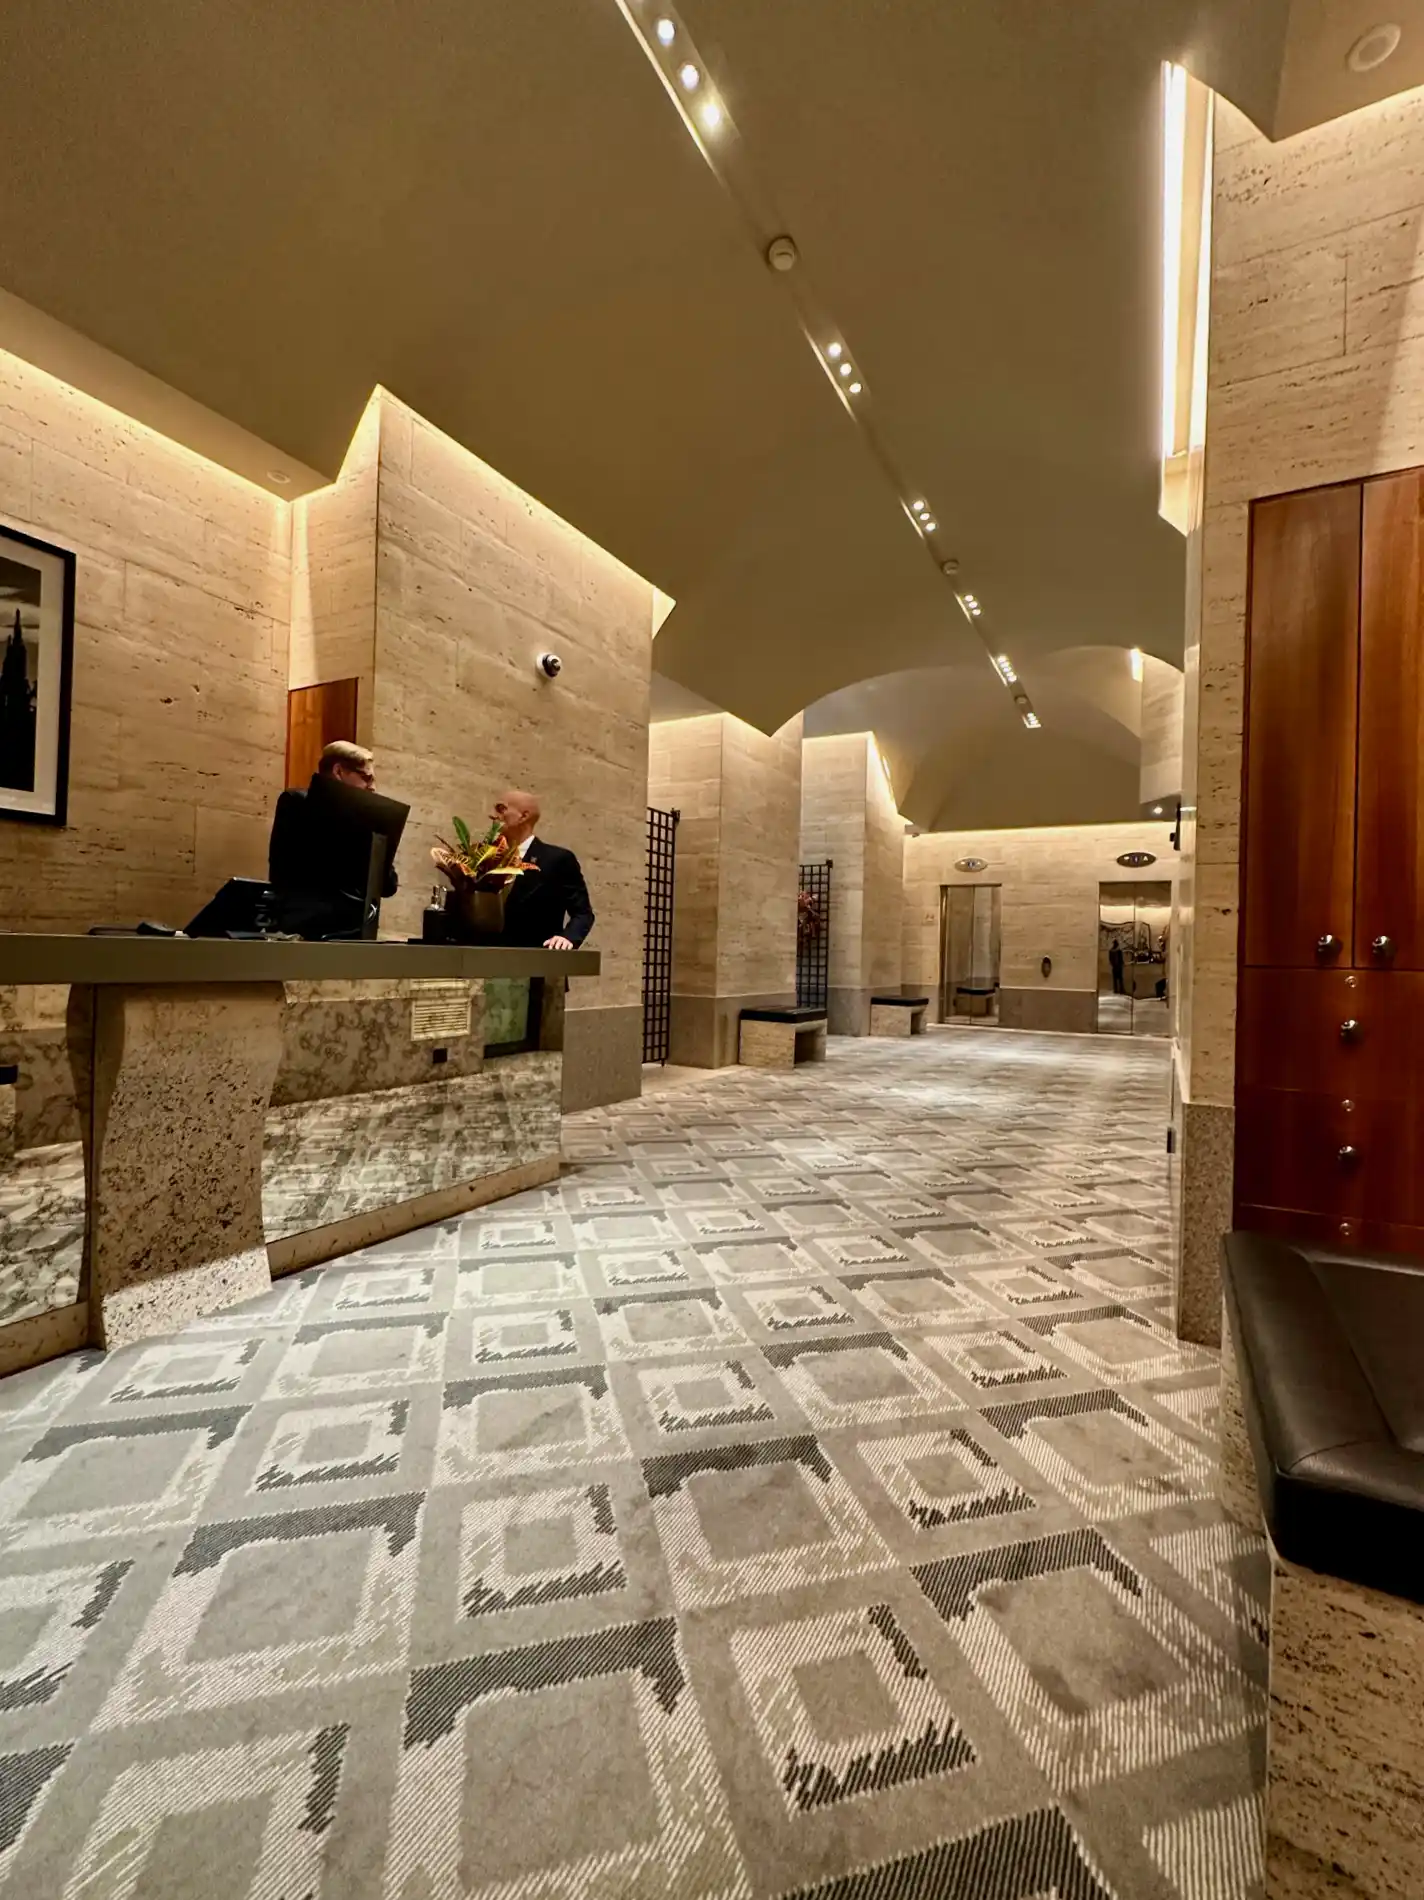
point(803, 1497)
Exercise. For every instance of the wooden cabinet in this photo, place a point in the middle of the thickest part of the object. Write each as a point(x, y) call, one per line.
point(1389, 875)
point(1298, 821)
point(1330, 1001)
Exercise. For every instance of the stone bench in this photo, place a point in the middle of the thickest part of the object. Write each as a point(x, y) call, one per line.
point(1322, 1423)
point(780, 1038)
point(898, 1015)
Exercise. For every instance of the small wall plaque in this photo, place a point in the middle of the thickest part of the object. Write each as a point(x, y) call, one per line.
point(1135, 860)
point(971, 864)
point(440, 1012)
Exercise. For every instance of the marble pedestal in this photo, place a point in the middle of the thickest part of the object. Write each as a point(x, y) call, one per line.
point(1236, 1469)
point(180, 1081)
point(781, 1045)
point(1345, 1769)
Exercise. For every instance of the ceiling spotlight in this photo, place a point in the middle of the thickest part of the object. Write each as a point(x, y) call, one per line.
point(666, 32)
point(1005, 668)
point(1156, 811)
point(1374, 48)
point(833, 350)
point(711, 115)
point(1032, 721)
point(845, 369)
point(782, 254)
point(919, 507)
point(930, 526)
point(689, 76)
point(280, 477)
point(855, 389)
point(1135, 661)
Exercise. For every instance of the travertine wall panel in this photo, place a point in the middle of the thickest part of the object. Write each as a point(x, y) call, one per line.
point(180, 662)
point(848, 815)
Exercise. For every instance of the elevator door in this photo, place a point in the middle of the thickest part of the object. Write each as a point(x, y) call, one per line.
point(969, 952)
point(1134, 958)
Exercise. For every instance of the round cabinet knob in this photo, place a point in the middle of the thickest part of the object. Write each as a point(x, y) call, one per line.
point(1350, 1030)
point(1382, 947)
point(1328, 945)
point(1348, 1156)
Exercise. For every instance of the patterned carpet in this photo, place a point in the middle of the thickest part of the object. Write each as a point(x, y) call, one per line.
point(803, 1498)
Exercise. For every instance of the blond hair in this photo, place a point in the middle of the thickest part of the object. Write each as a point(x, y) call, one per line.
point(344, 752)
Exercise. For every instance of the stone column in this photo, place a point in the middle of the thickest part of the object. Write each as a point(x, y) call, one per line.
point(848, 815)
point(734, 911)
point(1236, 1468)
point(181, 1079)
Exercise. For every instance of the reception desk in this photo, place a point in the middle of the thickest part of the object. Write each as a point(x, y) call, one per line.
point(392, 1109)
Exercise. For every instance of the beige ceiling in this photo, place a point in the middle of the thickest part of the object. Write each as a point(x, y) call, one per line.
point(494, 211)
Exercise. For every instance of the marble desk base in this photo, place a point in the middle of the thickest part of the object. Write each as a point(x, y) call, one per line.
point(1345, 1774)
point(1236, 1469)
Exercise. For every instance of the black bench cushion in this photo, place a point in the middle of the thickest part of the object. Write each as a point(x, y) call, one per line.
point(1331, 1357)
point(906, 1002)
point(9, 1073)
point(782, 1015)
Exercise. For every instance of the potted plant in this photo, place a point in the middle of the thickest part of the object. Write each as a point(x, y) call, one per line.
point(481, 872)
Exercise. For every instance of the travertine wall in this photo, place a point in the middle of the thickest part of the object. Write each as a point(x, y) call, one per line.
point(1160, 771)
point(1049, 883)
point(1316, 375)
point(848, 815)
point(474, 579)
point(734, 918)
point(180, 662)
point(334, 575)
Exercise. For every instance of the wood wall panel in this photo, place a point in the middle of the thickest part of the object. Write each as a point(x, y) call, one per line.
point(1389, 878)
point(1299, 819)
point(317, 715)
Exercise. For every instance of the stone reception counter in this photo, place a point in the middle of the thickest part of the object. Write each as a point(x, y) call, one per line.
point(383, 1085)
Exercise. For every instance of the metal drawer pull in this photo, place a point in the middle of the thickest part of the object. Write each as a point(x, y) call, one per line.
point(1327, 945)
point(1350, 1030)
point(1348, 1156)
point(1382, 947)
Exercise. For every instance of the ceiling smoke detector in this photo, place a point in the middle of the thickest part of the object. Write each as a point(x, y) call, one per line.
point(1374, 48)
point(782, 254)
point(950, 566)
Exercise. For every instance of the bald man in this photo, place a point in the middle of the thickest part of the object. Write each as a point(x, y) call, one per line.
point(548, 906)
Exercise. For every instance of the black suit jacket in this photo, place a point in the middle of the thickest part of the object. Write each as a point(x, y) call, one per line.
point(317, 872)
point(549, 902)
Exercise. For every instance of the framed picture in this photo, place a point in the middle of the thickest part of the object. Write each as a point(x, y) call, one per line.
point(36, 658)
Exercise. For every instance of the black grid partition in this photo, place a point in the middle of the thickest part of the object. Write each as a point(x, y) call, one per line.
point(813, 935)
point(657, 934)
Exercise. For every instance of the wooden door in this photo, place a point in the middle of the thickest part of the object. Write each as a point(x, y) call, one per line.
point(1298, 824)
point(315, 716)
point(1389, 878)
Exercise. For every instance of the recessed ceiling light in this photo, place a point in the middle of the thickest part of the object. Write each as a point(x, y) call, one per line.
point(666, 32)
point(845, 369)
point(833, 350)
point(855, 389)
point(930, 526)
point(1374, 48)
point(1032, 721)
point(689, 76)
point(711, 115)
point(279, 476)
point(919, 507)
point(1156, 811)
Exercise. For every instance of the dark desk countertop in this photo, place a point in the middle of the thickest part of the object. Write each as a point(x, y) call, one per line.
point(160, 960)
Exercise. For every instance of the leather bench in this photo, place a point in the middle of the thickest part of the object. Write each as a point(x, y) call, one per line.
point(898, 1015)
point(1323, 1441)
point(780, 1038)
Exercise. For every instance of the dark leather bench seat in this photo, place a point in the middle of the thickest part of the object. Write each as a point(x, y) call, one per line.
point(1330, 1352)
point(905, 1002)
point(782, 1015)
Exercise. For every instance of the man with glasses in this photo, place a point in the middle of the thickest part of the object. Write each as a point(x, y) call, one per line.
point(313, 884)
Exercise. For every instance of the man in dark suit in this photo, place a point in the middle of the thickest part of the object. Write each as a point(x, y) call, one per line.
point(548, 906)
point(317, 875)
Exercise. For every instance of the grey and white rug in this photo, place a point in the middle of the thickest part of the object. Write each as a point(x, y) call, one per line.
point(805, 1497)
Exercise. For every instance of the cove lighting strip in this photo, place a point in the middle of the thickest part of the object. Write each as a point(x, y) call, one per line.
point(703, 109)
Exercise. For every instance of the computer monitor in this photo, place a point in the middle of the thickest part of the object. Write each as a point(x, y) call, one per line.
point(240, 909)
point(356, 833)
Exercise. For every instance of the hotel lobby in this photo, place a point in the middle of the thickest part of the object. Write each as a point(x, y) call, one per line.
point(711, 913)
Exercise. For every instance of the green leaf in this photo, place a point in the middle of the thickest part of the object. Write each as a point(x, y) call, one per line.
point(462, 834)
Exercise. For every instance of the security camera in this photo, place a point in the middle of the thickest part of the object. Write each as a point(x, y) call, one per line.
point(550, 665)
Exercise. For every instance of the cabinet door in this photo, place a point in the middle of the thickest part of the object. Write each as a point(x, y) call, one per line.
point(1389, 882)
point(1298, 825)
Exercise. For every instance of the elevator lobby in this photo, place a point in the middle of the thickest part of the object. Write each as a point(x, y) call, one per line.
point(711, 938)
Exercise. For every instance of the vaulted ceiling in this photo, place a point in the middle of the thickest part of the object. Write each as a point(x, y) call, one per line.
point(495, 211)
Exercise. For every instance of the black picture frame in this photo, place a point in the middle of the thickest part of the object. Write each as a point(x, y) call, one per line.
point(46, 800)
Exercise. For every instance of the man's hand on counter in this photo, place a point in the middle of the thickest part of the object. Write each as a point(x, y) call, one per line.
point(557, 943)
